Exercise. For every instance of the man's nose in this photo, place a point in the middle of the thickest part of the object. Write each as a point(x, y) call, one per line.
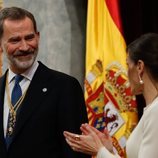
point(24, 45)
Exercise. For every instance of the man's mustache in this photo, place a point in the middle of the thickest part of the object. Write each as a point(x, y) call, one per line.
point(22, 53)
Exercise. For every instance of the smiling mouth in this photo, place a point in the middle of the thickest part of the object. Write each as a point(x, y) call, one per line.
point(24, 57)
point(23, 54)
point(28, 54)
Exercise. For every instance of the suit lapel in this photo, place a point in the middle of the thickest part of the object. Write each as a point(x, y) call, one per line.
point(36, 92)
point(2, 90)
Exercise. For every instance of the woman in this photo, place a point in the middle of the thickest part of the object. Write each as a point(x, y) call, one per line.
point(142, 62)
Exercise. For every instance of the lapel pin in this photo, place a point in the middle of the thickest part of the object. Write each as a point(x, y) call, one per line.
point(44, 89)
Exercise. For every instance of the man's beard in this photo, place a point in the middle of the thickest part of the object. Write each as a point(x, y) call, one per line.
point(19, 64)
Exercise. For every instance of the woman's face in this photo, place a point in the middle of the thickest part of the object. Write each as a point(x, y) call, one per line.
point(136, 87)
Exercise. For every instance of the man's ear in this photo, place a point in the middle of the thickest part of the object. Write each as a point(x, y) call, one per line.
point(1, 50)
point(38, 35)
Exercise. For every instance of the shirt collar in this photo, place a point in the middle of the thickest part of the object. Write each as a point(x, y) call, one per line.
point(27, 74)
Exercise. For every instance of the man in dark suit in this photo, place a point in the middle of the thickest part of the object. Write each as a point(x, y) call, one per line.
point(36, 103)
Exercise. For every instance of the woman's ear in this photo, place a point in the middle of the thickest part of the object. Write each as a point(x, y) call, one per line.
point(140, 67)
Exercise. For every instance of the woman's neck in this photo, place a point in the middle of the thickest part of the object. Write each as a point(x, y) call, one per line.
point(150, 92)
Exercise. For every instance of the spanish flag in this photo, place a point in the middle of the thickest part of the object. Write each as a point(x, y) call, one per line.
point(109, 101)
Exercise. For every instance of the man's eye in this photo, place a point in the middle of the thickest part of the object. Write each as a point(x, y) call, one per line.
point(14, 41)
point(30, 37)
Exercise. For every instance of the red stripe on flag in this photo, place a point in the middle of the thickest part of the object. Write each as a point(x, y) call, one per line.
point(113, 7)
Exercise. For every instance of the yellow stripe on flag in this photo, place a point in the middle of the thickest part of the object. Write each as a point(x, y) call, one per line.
point(108, 97)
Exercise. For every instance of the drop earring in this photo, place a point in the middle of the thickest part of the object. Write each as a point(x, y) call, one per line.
point(140, 80)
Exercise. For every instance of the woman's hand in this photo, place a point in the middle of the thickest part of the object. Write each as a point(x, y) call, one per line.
point(88, 143)
point(104, 137)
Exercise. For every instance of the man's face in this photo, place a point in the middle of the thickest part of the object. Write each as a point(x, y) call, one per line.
point(20, 43)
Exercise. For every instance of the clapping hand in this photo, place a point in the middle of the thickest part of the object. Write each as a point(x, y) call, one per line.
point(90, 141)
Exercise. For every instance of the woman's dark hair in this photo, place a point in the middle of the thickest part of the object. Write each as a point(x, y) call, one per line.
point(145, 48)
point(15, 13)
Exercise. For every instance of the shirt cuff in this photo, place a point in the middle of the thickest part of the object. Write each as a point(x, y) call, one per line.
point(104, 153)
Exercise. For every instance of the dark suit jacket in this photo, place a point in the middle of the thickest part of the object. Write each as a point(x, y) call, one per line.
point(54, 102)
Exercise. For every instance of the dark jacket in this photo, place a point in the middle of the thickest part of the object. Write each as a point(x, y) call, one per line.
point(53, 103)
